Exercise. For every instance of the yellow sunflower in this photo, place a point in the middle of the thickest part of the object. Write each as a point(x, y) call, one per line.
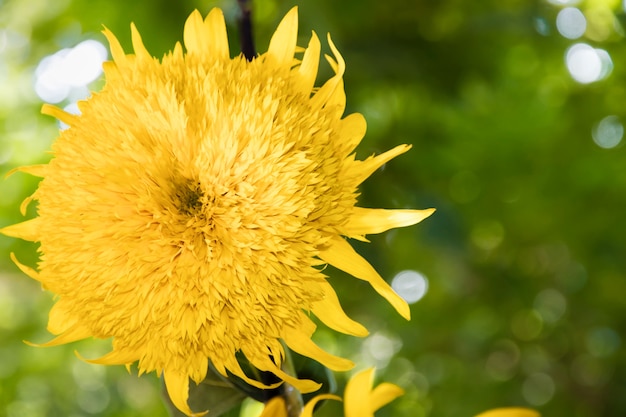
point(360, 400)
point(190, 208)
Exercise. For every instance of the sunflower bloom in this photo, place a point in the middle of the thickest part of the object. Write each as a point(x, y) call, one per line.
point(360, 400)
point(188, 212)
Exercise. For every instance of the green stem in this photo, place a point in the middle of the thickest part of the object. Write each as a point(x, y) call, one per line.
point(293, 398)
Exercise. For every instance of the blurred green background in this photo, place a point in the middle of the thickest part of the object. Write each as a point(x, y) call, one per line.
point(515, 110)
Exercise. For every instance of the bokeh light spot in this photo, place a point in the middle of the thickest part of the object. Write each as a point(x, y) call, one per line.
point(571, 23)
point(608, 132)
point(564, 2)
point(379, 348)
point(538, 389)
point(410, 285)
point(94, 400)
point(551, 305)
point(488, 235)
point(69, 69)
point(502, 363)
point(587, 64)
point(602, 341)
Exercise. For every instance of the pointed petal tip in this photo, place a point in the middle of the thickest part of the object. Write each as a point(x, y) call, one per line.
point(365, 221)
point(283, 42)
point(25, 269)
point(330, 312)
point(117, 52)
point(341, 255)
point(177, 386)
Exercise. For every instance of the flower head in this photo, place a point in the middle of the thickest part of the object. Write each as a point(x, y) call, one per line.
point(189, 209)
point(360, 400)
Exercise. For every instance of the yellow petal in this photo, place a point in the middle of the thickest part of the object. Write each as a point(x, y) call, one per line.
point(208, 37)
point(234, 367)
point(218, 38)
point(337, 98)
point(302, 385)
point(194, 34)
point(342, 256)
point(140, 50)
point(328, 89)
point(310, 64)
point(116, 48)
point(72, 334)
point(509, 412)
point(352, 130)
point(25, 204)
point(25, 269)
point(301, 343)
point(365, 221)
point(307, 411)
point(283, 42)
point(356, 395)
point(177, 385)
point(329, 311)
point(59, 320)
point(59, 114)
point(28, 230)
point(34, 170)
point(115, 357)
point(363, 169)
point(383, 394)
point(275, 407)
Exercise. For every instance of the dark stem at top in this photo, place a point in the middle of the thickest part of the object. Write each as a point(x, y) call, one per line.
point(245, 30)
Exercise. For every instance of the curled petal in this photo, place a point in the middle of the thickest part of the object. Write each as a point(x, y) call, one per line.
point(307, 411)
point(25, 269)
point(60, 114)
point(301, 343)
point(330, 312)
point(115, 357)
point(341, 255)
point(72, 334)
point(177, 385)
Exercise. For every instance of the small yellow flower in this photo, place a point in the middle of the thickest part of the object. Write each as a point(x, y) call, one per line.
point(189, 210)
point(509, 412)
point(360, 400)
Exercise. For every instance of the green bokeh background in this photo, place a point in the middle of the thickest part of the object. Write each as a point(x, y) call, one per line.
point(525, 256)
